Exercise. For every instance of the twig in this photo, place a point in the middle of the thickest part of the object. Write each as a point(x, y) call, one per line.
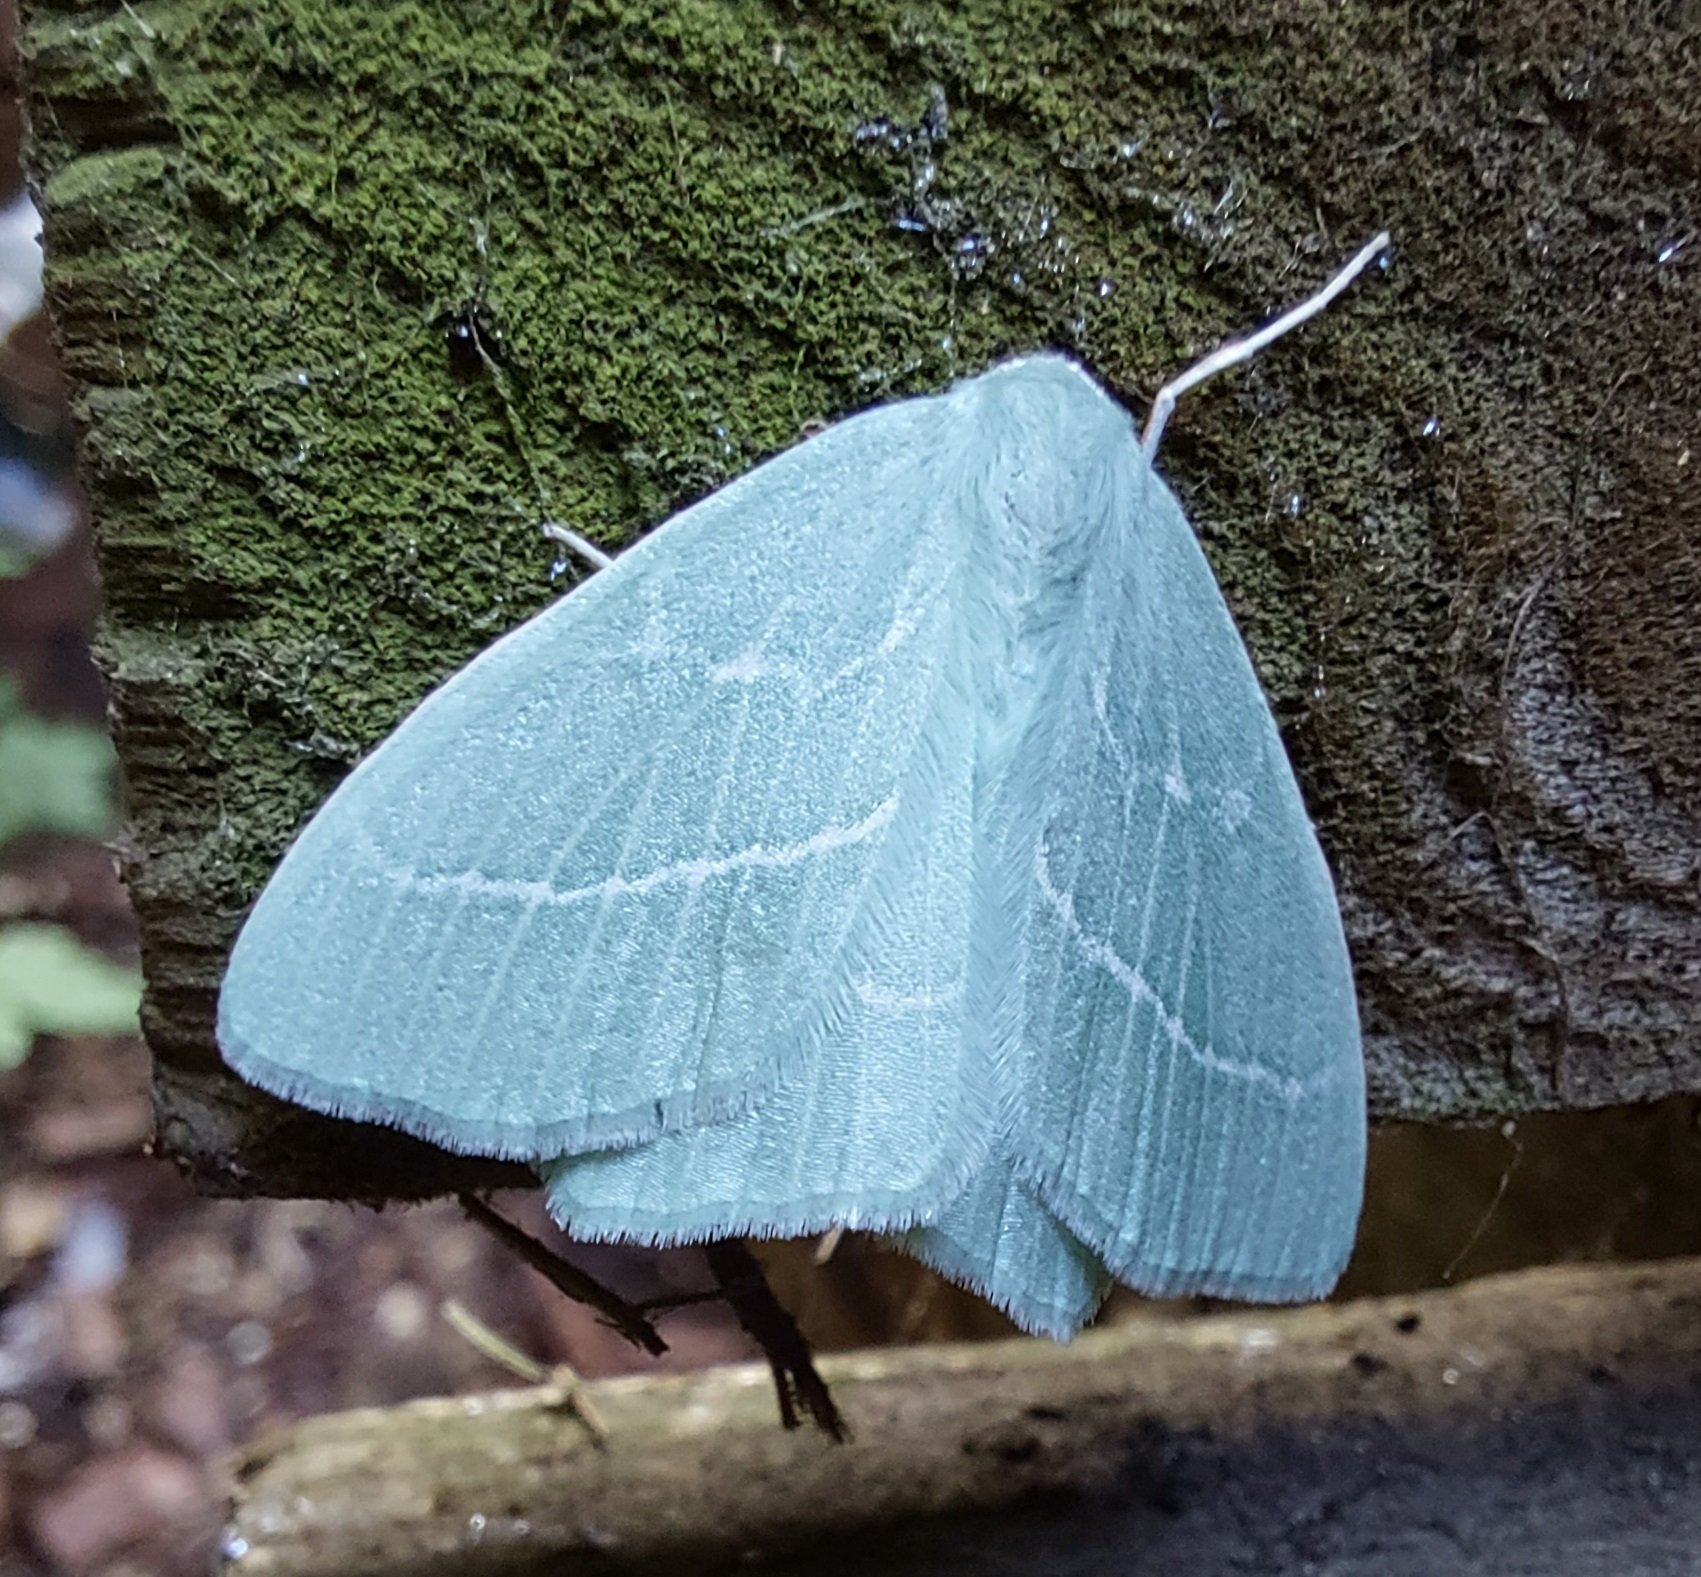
point(498, 1349)
point(768, 1323)
point(828, 1244)
point(564, 1377)
point(669, 1301)
point(569, 1279)
point(851, 205)
point(1509, 1132)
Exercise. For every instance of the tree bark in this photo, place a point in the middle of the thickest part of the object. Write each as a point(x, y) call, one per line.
point(1457, 520)
point(1538, 1422)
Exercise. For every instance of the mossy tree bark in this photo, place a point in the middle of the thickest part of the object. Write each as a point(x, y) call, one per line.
point(1457, 519)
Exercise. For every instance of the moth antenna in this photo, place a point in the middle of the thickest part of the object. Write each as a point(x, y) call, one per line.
point(568, 537)
point(1236, 351)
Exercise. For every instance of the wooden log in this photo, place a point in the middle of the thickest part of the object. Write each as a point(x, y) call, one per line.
point(1456, 520)
point(1543, 1421)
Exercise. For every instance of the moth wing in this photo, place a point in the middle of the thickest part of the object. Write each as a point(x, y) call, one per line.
point(998, 1239)
point(1193, 1088)
point(598, 884)
point(895, 1108)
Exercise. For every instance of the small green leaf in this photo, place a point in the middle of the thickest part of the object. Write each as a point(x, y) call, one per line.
point(54, 777)
point(50, 984)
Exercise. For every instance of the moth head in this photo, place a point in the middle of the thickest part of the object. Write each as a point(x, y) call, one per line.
point(1053, 451)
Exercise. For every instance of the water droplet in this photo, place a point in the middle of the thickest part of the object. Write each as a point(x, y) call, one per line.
point(234, 1547)
point(248, 1342)
point(971, 253)
point(1016, 280)
point(401, 1312)
point(17, 1426)
point(474, 342)
point(1432, 428)
point(1670, 249)
point(1385, 259)
point(1449, 1376)
point(947, 341)
point(94, 1251)
point(1105, 289)
point(476, 1523)
point(1295, 505)
point(912, 223)
point(1128, 147)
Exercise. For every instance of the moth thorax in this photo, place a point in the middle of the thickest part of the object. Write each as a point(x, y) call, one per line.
point(1040, 525)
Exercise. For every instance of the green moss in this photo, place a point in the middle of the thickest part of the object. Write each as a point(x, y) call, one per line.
point(683, 217)
point(690, 251)
point(105, 179)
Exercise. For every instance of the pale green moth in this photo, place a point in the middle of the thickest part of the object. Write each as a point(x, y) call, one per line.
point(896, 839)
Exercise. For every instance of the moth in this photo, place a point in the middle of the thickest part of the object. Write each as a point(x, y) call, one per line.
point(896, 839)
